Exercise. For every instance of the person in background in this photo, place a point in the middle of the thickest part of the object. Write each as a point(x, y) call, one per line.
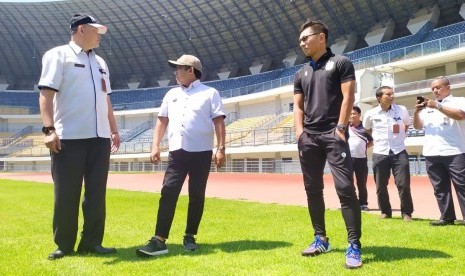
point(81, 132)
point(443, 119)
point(359, 142)
point(191, 109)
point(324, 91)
point(387, 123)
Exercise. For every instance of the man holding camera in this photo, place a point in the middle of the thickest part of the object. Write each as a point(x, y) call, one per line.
point(443, 119)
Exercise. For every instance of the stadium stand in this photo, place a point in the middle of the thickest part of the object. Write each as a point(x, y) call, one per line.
point(217, 44)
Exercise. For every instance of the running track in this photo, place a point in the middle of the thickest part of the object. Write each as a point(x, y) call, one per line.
point(268, 188)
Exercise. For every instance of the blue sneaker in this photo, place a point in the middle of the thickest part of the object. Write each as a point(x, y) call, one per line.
point(317, 247)
point(353, 256)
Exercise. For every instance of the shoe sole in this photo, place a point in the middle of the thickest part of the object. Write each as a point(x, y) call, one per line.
point(312, 254)
point(142, 253)
point(190, 249)
point(352, 267)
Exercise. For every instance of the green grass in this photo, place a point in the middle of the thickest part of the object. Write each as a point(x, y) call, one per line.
point(236, 238)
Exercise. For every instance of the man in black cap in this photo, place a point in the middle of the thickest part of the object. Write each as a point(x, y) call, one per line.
point(81, 132)
point(190, 110)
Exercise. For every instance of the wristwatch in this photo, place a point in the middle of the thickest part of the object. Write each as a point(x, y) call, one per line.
point(342, 128)
point(438, 106)
point(48, 130)
point(221, 148)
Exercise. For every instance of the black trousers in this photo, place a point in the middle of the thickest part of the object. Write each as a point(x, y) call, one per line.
point(361, 176)
point(314, 151)
point(399, 164)
point(441, 170)
point(78, 160)
point(180, 164)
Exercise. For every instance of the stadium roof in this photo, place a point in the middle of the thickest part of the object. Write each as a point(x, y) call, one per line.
point(144, 34)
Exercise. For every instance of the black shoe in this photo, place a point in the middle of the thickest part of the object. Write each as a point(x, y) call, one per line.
point(441, 222)
point(460, 222)
point(98, 249)
point(189, 243)
point(57, 254)
point(154, 247)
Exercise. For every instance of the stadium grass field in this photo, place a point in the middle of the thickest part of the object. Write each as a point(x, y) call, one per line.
point(236, 238)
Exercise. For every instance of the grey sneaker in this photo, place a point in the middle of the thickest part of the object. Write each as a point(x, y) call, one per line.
point(189, 243)
point(154, 247)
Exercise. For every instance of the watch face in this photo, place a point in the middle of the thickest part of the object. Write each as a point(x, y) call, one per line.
point(46, 130)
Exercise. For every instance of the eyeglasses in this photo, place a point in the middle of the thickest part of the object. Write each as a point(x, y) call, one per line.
point(305, 37)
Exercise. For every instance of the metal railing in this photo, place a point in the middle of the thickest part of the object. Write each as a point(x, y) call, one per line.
point(417, 166)
point(422, 49)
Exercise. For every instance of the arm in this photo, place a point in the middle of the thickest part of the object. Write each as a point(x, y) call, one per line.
point(367, 124)
point(220, 130)
point(450, 112)
point(348, 93)
point(158, 133)
point(115, 139)
point(369, 144)
point(299, 114)
point(417, 122)
point(51, 141)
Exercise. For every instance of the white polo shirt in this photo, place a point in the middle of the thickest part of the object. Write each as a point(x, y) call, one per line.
point(444, 136)
point(381, 123)
point(191, 112)
point(80, 105)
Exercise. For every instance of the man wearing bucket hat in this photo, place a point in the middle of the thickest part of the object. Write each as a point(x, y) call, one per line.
point(190, 110)
point(81, 132)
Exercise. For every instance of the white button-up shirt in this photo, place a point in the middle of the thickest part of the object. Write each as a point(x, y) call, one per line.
point(381, 123)
point(191, 112)
point(80, 105)
point(444, 136)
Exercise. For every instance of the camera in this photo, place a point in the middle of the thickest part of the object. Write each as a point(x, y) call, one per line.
point(421, 100)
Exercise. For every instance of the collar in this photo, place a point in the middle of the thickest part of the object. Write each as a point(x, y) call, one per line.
point(448, 98)
point(379, 108)
point(76, 48)
point(192, 85)
point(323, 59)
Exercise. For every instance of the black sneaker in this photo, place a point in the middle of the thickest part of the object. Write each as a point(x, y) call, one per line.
point(189, 243)
point(154, 247)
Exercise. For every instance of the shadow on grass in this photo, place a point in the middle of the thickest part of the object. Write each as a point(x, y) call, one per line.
point(129, 253)
point(371, 254)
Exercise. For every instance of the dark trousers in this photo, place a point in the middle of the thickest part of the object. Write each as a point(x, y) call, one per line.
point(361, 176)
point(441, 170)
point(314, 151)
point(180, 164)
point(78, 160)
point(399, 164)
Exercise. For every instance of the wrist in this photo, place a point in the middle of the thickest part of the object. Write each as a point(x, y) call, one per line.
point(341, 127)
point(438, 106)
point(221, 148)
point(47, 130)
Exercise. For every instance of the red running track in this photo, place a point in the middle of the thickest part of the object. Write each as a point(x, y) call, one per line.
point(284, 189)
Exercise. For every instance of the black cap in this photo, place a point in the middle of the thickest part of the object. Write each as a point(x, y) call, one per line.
point(80, 19)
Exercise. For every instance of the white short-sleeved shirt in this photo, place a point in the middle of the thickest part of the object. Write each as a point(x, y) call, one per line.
point(358, 140)
point(191, 112)
point(444, 136)
point(80, 105)
point(381, 123)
